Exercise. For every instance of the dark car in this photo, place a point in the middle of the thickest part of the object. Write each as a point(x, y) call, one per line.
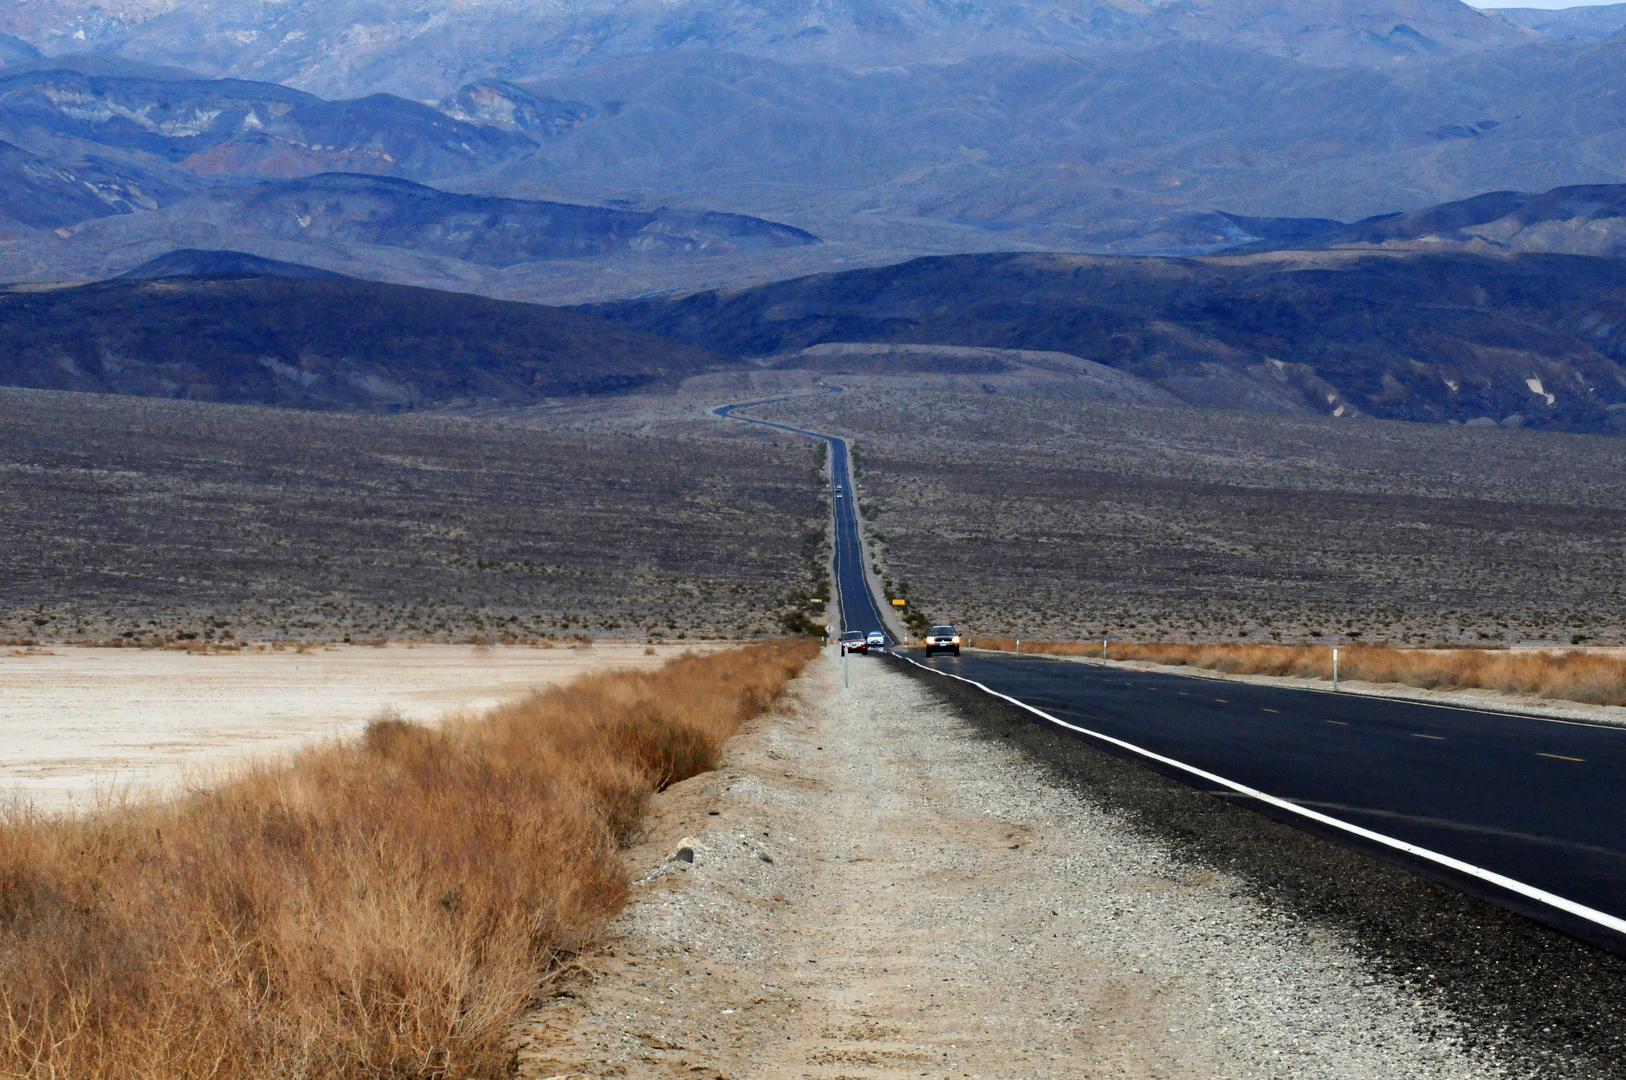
point(942, 639)
point(853, 641)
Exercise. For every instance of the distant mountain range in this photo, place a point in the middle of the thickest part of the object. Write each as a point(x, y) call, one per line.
point(242, 331)
point(703, 143)
point(1526, 340)
point(1534, 340)
point(423, 49)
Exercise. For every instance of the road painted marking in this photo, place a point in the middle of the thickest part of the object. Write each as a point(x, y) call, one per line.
point(1222, 701)
point(1340, 723)
point(1601, 918)
point(1436, 738)
point(1278, 711)
point(1562, 757)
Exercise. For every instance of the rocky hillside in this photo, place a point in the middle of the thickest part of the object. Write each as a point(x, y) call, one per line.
point(319, 342)
point(1529, 340)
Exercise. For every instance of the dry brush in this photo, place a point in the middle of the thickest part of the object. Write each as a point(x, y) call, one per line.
point(1562, 674)
point(381, 908)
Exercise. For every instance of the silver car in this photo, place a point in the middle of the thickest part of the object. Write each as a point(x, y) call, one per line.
point(876, 640)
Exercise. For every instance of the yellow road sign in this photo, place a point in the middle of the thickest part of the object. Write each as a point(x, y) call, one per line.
point(897, 603)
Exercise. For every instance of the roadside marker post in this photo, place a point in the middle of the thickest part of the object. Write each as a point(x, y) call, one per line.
point(1335, 669)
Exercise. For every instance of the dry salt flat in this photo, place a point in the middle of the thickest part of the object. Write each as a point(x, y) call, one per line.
point(80, 724)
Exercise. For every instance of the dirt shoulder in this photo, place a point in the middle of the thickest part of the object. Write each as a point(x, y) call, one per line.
point(880, 888)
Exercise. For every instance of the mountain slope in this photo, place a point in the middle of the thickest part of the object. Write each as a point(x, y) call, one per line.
point(14, 50)
point(236, 128)
point(481, 229)
point(38, 194)
point(321, 343)
point(192, 262)
point(1536, 340)
point(1576, 220)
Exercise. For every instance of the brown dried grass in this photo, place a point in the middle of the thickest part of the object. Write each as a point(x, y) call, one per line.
point(1559, 674)
point(375, 909)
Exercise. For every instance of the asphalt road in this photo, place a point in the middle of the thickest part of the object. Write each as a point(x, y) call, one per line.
point(1533, 810)
point(1526, 812)
point(858, 608)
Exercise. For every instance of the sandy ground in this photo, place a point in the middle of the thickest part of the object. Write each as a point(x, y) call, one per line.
point(875, 893)
point(76, 723)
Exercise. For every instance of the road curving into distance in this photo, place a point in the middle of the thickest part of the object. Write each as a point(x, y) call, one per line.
point(1526, 812)
point(856, 598)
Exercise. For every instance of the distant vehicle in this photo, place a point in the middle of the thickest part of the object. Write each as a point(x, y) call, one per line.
point(876, 640)
point(838, 493)
point(853, 641)
point(942, 639)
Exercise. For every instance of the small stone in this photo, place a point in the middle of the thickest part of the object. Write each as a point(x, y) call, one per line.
point(684, 854)
point(764, 856)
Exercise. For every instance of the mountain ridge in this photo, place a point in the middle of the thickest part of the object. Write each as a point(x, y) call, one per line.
point(322, 341)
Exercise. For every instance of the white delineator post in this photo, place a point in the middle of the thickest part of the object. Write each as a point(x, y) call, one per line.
point(1335, 669)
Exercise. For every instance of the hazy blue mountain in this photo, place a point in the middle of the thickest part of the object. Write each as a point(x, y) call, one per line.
point(16, 51)
point(193, 262)
point(1164, 147)
point(1094, 151)
point(321, 342)
point(1569, 24)
point(420, 49)
point(480, 229)
point(39, 194)
point(504, 105)
point(1577, 220)
point(237, 128)
point(1528, 340)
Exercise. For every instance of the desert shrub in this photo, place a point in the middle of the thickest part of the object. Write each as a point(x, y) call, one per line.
point(1562, 674)
point(380, 908)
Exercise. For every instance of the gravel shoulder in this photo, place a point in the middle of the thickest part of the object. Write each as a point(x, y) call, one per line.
point(886, 883)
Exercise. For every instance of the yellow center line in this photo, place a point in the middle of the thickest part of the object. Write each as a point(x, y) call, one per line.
point(1436, 738)
point(1561, 757)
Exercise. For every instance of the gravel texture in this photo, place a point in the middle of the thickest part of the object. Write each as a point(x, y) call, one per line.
point(943, 901)
point(143, 520)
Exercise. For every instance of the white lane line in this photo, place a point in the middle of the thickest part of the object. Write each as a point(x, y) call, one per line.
point(1553, 900)
point(1563, 757)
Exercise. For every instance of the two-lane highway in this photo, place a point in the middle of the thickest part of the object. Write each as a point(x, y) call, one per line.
point(1527, 812)
point(856, 599)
